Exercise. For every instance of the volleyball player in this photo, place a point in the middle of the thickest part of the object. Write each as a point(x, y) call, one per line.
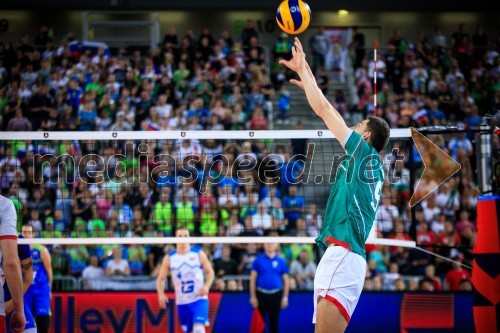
point(24, 253)
point(351, 206)
point(38, 295)
point(11, 267)
point(191, 285)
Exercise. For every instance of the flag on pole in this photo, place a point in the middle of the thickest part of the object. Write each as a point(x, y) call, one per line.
point(257, 324)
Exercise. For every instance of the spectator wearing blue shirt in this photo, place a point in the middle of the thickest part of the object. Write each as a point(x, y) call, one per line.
point(230, 182)
point(166, 177)
point(197, 109)
point(124, 211)
point(74, 94)
point(473, 120)
point(294, 206)
point(460, 143)
point(269, 191)
point(87, 117)
point(436, 117)
point(269, 285)
point(254, 99)
point(291, 171)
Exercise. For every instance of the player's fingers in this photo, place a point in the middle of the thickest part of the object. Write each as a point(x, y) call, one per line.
point(299, 44)
point(294, 51)
point(285, 62)
point(297, 83)
point(296, 45)
point(16, 327)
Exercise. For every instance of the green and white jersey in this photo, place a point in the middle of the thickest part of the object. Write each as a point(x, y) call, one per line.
point(354, 197)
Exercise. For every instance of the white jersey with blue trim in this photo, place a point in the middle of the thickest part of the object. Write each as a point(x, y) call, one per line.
point(187, 276)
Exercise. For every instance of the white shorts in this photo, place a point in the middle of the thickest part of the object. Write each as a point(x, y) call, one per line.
point(339, 278)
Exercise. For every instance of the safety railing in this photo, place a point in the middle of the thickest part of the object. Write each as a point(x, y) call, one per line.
point(65, 283)
point(120, 283)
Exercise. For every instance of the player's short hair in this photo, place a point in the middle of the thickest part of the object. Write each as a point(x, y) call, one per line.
point(380, 132)
point(182, 227)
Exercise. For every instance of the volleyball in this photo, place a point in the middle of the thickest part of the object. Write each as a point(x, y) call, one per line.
point(293, 16)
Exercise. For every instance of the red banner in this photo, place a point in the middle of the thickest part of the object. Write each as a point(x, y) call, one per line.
point(107, 312)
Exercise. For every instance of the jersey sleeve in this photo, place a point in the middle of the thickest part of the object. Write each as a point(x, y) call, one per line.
point(284, 269)
point(8, 220)
point(24, 251)
point(255, 265)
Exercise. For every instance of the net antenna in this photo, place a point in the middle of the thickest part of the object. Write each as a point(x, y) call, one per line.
point(324, 139)
point(375, 77)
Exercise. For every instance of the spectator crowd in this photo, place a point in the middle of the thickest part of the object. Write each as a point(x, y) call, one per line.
point(210, 82)
point(433, 80)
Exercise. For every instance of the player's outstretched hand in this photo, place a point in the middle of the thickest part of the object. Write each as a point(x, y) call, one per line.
point(163, 301)
point(17, 322)
point(203, 291)
point(297, 63)
point(298, 60)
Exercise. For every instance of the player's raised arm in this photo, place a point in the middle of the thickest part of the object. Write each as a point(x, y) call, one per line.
point(160, 282)
point(209, 273)
point(315, 97)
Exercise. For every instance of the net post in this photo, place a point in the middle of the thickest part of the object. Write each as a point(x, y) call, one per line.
point(483, 146)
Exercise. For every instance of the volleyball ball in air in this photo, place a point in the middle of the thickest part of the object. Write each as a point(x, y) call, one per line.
point(293, 16)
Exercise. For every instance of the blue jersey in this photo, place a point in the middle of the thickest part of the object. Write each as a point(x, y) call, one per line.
point(40, 277)
point(38, 295)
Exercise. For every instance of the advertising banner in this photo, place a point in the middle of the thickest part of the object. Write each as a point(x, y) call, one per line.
point(125, 312)
point(388, 312)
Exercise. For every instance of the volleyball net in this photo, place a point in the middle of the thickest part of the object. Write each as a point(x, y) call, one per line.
point(224, 186)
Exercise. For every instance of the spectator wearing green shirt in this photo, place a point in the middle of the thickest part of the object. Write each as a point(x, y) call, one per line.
point(162, 212)
point(80, 231)
point(60, 261)
point(49, 231)
point(96, 228)
point(185, 213)
point(208, 221)
point(180, 74)
point(292, 251)
point(94, 84)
